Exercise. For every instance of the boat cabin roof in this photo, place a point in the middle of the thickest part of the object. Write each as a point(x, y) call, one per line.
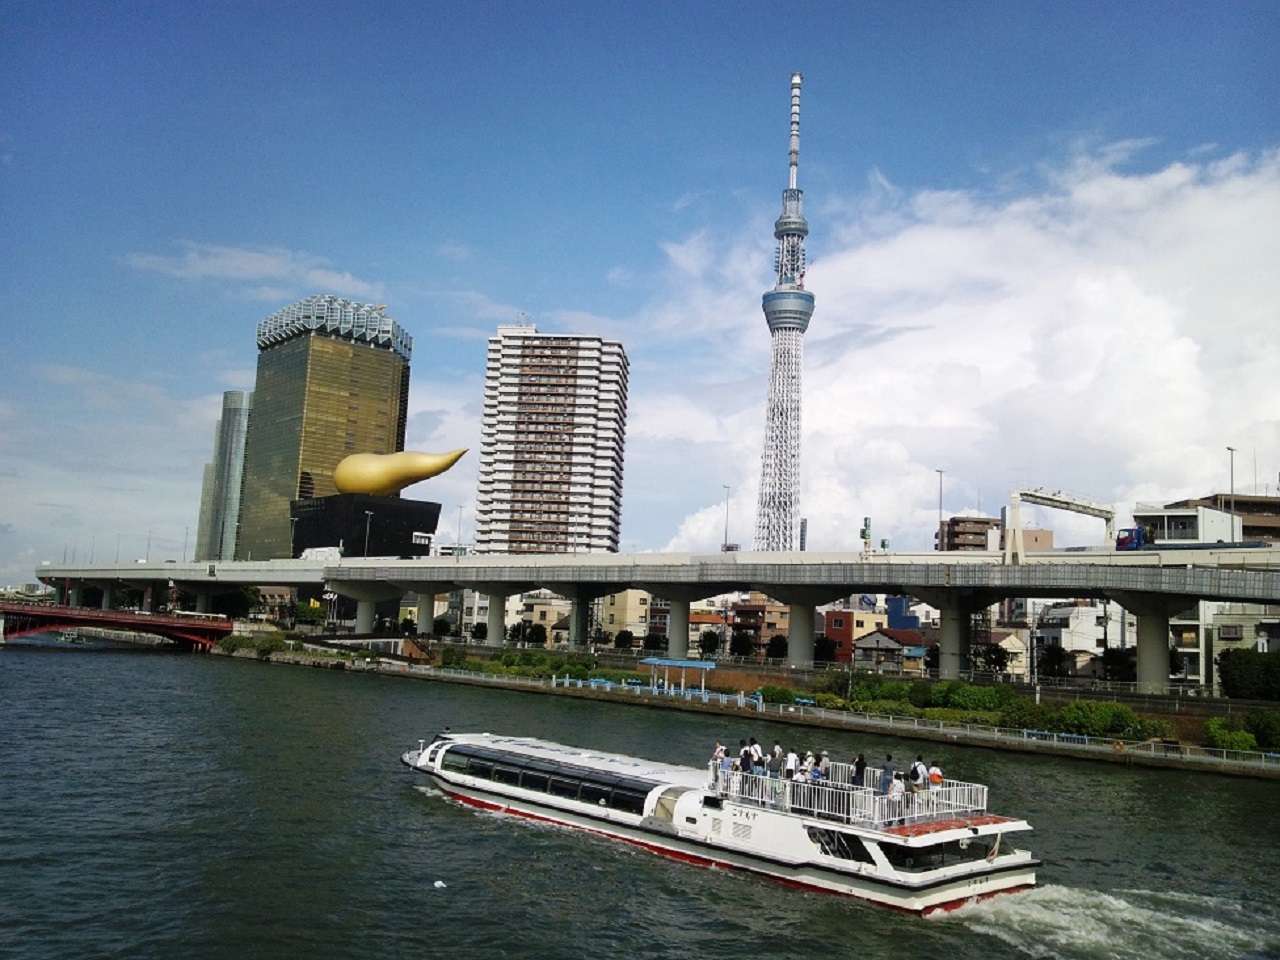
point(578, 761)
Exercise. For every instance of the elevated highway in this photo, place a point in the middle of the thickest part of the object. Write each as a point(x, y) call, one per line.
point(1152, 584)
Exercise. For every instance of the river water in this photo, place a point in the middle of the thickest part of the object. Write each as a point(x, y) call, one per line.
point(162, 805)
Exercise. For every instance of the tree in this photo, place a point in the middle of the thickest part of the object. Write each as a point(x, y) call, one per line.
point(305, 613)
point(441, 626)
point(655, 641)
point(237, 605)
point(1120, 664)
point(1053, 661)
point(516, 632)
point(708, 643)
point(536, 635)
point(742, 644)
point(407, 627)
point(932, 656)
point(824, 648)
point(989, 658)
point(777, 648)
point(1250, 675)
point(624, 640)
point(480, 631)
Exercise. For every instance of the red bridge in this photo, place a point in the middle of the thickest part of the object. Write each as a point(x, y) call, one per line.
point(198, 631)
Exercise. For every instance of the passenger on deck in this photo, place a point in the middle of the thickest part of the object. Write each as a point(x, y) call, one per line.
point(935, 776)
point(789, 765)
point(808, 764)
point(717, 755)
point(824, 764)
point(919, 775)
point(897, 796)
point(757, 758)
point(860, 771)
point(886, 775)
point(744, 756)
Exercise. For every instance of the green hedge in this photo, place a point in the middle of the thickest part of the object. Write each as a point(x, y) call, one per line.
point(1228, 733)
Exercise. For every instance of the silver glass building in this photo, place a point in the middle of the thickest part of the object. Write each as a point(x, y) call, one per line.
point(551, 454)
point(220, 492)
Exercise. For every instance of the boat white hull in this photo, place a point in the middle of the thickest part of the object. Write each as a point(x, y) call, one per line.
point(938, 896)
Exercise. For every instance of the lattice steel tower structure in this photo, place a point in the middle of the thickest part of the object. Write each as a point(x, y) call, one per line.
point(787, 309)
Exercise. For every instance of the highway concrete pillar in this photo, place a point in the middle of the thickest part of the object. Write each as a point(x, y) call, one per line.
point(496, 625)
point(106, 597)
point(202, 601)
point(365, 616)
point(953, 644)
point(578, 616)
point(800, 636)
point(426, 612)
point(1153, 651)
point(147, 602)
point(678, 629)
point(73, 595)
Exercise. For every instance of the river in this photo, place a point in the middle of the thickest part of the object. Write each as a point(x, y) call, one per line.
point(164, 805)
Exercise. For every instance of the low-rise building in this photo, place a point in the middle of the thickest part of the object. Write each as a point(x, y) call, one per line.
point(843, 627)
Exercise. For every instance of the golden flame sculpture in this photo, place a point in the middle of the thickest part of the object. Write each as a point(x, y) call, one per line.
point(382, 474)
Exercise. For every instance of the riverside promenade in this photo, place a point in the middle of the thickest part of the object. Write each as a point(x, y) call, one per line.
point(1132, 753)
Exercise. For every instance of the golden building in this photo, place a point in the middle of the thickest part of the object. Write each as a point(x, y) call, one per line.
point(333, 380)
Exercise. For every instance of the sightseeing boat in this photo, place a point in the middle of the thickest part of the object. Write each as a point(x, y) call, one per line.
point(922, 852)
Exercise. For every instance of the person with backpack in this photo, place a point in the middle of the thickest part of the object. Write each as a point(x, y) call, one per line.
point(919, 775)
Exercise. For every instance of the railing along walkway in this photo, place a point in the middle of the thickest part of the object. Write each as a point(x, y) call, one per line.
point(847, 803)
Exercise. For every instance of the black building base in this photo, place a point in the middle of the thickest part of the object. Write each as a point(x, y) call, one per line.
point(362, 525)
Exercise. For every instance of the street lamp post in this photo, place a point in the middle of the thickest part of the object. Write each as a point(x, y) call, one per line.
point(368, 518)
point(293, 525)
point(1231, 455)
point(724, 546)
point(941, 546)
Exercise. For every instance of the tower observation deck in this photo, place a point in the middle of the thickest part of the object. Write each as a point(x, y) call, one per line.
point(787, 309)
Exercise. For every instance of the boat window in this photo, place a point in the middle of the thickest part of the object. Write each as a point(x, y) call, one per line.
point(712, 803)
point(564, 788)
point(534, 781)
point(628, 801)
point(594, 793)
point(454, 761)
point(843, 845)
point(937, 855)
point(506, 775)
point(481, 768)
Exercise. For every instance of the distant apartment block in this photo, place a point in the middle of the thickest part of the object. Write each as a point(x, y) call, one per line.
point(220, 491)
point(554, 433)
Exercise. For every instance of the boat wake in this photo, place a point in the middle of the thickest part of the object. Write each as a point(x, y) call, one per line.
point(1068, 923)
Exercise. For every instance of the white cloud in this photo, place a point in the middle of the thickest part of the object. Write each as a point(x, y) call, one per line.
point(266, 273)
point(1109, 333)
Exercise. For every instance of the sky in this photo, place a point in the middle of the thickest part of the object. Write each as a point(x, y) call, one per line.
point(1044, 244)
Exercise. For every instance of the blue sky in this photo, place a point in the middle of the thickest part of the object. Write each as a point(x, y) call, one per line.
point(170, 173)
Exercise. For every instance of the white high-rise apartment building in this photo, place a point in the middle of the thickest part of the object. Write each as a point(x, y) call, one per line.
point(551, 454)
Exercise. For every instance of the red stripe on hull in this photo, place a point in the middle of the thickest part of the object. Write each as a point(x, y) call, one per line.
point(701, 861)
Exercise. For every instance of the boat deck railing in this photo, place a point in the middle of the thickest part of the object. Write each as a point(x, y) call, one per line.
point(846, 802)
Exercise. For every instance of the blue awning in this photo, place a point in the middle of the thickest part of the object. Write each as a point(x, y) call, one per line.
point(680, 664)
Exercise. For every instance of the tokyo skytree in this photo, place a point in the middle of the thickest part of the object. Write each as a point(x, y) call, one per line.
point(787, 309)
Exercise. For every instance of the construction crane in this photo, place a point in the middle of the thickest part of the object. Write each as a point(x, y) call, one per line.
point(1058, 500)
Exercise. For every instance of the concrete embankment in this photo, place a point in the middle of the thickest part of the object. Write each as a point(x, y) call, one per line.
point(1143, 754)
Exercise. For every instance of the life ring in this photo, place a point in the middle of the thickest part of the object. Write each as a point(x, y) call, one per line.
point(1117, 746)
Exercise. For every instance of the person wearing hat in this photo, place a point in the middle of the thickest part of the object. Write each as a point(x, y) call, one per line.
point(824, 764)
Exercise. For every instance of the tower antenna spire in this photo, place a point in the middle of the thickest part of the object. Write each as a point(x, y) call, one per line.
point(793, 155)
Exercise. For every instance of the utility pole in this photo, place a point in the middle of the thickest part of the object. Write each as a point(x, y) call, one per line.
point(368, 518)
point(147, 556)
point(185, 532)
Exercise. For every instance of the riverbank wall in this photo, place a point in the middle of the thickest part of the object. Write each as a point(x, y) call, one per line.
point(1145, 754)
